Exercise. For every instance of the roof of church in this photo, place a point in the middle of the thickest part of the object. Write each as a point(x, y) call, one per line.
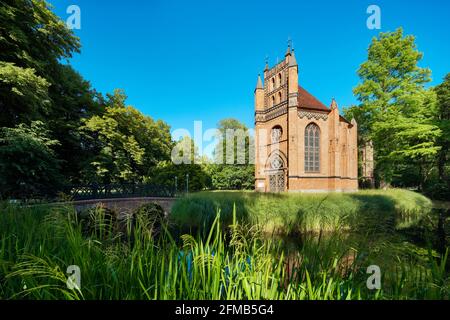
point(305, 99)
point(308, 101)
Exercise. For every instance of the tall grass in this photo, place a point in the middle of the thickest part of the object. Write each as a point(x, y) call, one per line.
point(305, 212)
point(234, 262)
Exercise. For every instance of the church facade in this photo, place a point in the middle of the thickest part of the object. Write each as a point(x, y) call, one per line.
point(301, 145)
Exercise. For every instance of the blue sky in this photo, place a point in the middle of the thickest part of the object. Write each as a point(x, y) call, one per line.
point(182, 61)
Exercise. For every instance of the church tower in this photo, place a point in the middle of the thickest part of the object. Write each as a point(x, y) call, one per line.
point(275, 102)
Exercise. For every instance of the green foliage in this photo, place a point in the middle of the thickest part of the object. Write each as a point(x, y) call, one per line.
point(151, 216)
point(127, 142)
point(442, 119)
point(32, 36)
point(397, 113)
point(168, 173)
point(28, 166)
point(232, 177)
point(443, 97)
point(38, 243)
point(185, 151)
point(391, 71)
point(73, 101)
point(150, 211)
point(233, 169)
point(33, 40)
point(233, 134)
point(35, 85)
point(98, 221)
point(24, 95)
point(304, 213)
point(185, 171)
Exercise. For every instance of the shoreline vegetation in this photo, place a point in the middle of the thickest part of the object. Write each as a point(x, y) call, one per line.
point(393, 208)
point(147, 256)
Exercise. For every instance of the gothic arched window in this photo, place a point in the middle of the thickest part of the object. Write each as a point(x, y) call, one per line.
point(276, 134)
point(312, 148)
point(276, 163)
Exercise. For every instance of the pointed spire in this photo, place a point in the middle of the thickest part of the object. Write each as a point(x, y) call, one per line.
point(333, 104)
point(288, 52)
point(259, 84)
point(267, 64)
point(292, 60)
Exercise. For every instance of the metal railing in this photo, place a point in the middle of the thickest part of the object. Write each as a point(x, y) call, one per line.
point(123, 190)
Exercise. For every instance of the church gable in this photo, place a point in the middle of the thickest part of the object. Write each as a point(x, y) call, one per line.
point(307, 146)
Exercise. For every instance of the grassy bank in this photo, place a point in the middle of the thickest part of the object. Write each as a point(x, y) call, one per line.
point(38, 244)
point(365, 211)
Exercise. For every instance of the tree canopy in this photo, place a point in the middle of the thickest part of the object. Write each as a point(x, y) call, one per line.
point(397, 111)
point(233, 168)
point(28, 166)
point(43, 99)
point(127, 142)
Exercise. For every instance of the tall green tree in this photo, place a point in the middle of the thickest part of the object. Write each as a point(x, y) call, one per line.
point(186, 171)
point(396, 109)
point(33, 40)
point(126, 143)
point(23, 95)
point(443, 121)
point(35, 85)
point(233, 168)
point(32, 36)
point(73, 101)
point(28, 166)
point(95, 139)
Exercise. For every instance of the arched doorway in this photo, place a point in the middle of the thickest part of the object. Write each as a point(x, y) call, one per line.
point(276, 174)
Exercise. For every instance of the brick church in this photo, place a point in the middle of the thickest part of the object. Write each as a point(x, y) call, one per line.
point(301, 144)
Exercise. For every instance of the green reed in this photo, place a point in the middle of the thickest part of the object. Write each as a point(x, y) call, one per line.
point(237, 261)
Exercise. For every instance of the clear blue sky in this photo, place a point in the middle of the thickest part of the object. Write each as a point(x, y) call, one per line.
point(182, 61)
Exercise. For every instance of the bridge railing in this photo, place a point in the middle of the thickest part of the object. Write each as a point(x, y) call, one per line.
point(124, 190)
